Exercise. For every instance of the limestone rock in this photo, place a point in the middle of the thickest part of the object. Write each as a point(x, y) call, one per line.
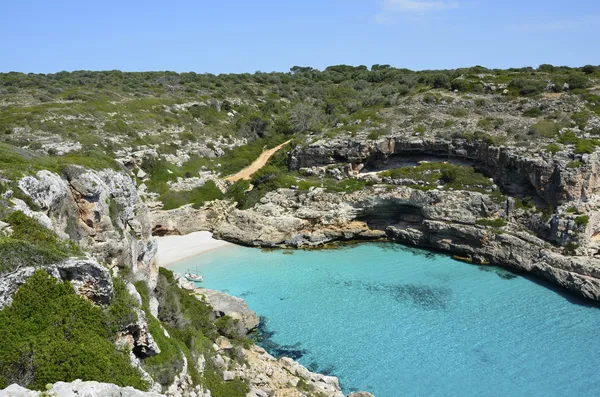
point(138, 338)
point(101, 211)
point(89, 279)
point(227, 305)
point(78, 388)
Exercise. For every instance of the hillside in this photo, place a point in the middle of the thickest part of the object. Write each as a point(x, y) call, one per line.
point(496, 167)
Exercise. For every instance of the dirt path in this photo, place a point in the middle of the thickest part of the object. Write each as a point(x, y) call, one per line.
point(260, 162)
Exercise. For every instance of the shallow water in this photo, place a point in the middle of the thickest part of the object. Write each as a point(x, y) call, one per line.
point(404, 322)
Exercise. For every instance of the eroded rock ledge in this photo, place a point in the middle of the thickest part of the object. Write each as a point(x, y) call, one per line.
point(435, 219)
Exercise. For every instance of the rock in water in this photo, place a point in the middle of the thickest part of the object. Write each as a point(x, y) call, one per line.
point(227, 305)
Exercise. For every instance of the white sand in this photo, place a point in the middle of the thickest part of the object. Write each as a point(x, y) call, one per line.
point(175, 248)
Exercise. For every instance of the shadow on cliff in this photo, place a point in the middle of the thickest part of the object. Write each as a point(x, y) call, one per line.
point(566, 294)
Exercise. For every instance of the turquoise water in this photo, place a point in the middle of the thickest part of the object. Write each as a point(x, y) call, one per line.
point(403, 322)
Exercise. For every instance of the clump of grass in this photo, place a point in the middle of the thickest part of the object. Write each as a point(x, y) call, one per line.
point(533, 112)
point(32, 244)
point(546, 129)
point(376, 134)
point(552, 148)
point(582, 220)
point(491, 222)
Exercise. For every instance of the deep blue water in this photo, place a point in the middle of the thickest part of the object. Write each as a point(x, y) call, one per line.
point(404, 322)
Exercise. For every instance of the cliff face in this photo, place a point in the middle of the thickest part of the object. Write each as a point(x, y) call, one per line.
point(102, 212)
point(516, 170)
point(449, 221)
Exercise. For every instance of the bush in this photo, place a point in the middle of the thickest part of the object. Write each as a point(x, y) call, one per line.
point(197, 196)
point(574, 164)
point(533, 112)
point(527, 87)
point(375, 134)
point(553, 148)
point(455, 176)
point(589, 69)
point(546, 129)
point(582, 220)
point(491, 222)
point(569, 138)
point(32, 244)
point(50, 334)
point(585, 146)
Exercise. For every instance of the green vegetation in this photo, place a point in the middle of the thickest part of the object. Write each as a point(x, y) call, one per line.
point(571, 248)
point(574, 164)
point(453, 176)
point(553, 148)
point(524, 203)
point(533, 112)
point(275, 175)
point(546, 129)
point(582, 220)
point(171, 112)
point(50, 334)
point(192, 332)
point(497, 223)
point(15, 162)
point(582, 146)
point(32, 244)
point(197, 196)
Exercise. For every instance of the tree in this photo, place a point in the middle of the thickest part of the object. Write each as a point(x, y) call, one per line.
point(255, 124)
point(589, 69)
point(441, 81)
point(303, 117)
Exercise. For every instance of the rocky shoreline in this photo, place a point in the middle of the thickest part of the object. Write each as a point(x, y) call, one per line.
point(551, 245)
point(104, 214)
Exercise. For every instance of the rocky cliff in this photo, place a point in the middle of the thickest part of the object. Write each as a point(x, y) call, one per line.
point(102, 212)
point(517, 170)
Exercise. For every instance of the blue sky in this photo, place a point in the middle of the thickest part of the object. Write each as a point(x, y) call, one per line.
point(245, 36)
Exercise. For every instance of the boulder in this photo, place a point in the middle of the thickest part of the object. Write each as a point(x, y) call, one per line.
point(78, 388)
point(90, 280)
point(227, 305)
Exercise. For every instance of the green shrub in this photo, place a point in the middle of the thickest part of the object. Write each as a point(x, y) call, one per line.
point(197, 196)
point(375, 134)
point(569, 137)
point(50, 334)
point(547, 129)
point(574, 164)
point(553, 148)
point(524, 203)
point(571, 248)
point(459, 112)
point(32, 244)
point(582, 220)
point(492, 222)
point(533, 112)
point(454, 176)
point(585, 146)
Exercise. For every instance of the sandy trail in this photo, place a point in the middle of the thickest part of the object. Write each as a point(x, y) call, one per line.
point(260, 162)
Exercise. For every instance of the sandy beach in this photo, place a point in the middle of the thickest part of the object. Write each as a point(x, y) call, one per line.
point(175, 248)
